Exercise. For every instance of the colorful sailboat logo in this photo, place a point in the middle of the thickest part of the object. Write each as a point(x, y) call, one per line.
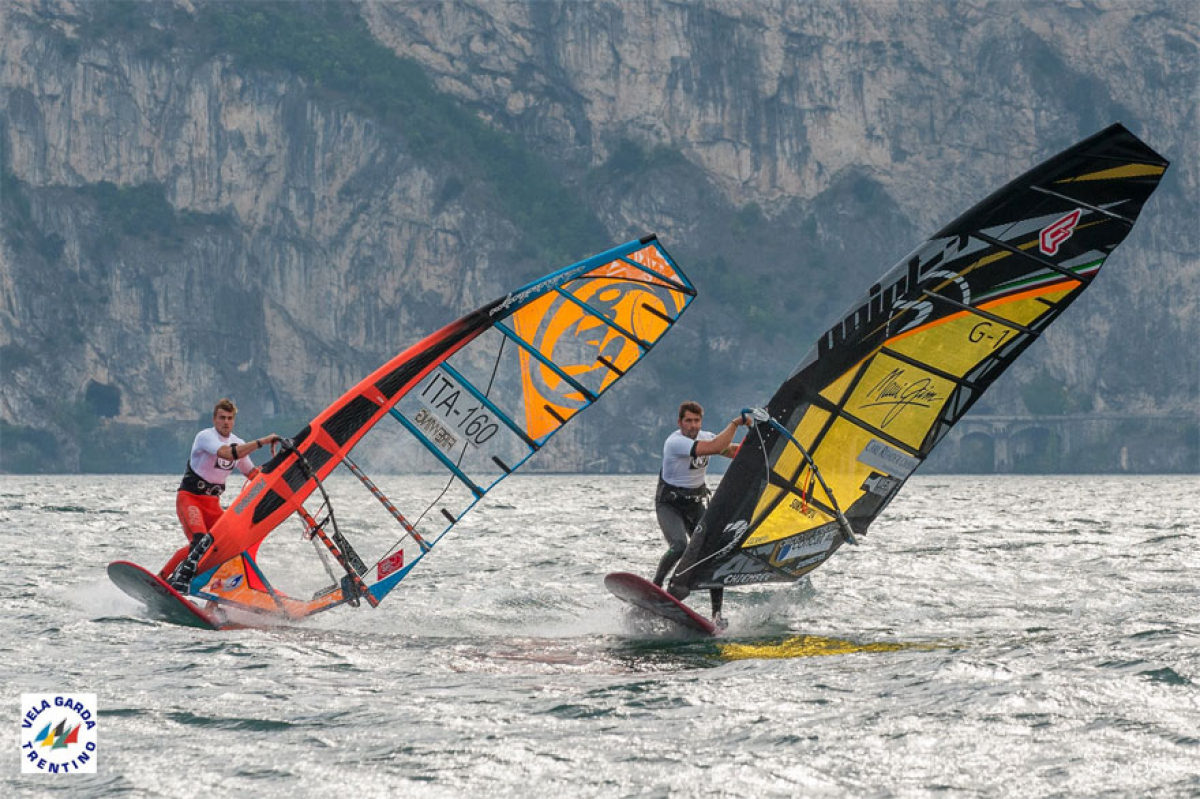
point(60, 737)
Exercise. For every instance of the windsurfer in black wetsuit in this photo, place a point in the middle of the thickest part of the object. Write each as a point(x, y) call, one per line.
point(682, 495)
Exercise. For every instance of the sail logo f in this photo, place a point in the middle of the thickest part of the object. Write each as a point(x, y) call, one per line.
point(1054, 234)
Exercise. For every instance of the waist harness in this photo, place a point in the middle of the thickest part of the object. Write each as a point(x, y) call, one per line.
point(193, 483)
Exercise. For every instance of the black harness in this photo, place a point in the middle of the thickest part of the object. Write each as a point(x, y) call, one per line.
point(193, 483)
point(690, 503)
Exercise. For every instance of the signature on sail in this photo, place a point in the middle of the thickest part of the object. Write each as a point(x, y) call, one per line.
point(898, 394)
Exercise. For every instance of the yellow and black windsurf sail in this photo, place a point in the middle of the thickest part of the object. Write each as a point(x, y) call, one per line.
point(885, 383)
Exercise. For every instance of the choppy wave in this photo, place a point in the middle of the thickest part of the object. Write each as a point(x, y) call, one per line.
point(989, 637)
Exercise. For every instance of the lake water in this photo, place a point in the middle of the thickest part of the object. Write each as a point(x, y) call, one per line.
point(991, 636)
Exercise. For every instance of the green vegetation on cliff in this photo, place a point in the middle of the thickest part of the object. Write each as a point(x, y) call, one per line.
point(328, 45)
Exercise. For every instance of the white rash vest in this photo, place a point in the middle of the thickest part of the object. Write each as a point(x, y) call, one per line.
point(679, 468)
point(204, 460)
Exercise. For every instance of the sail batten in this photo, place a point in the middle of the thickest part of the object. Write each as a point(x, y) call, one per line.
point(678, 286)
point(533, 352)
point(977, 311)
point(509, 423)
point(1094, 208)
point(434, 450)
point(602, 318)
point(1024, 253)
point(957, 379)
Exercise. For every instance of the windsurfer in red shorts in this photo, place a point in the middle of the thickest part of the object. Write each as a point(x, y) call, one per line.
point(215, 453)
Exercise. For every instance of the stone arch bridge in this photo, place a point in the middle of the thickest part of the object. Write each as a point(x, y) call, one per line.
point(1082, 443)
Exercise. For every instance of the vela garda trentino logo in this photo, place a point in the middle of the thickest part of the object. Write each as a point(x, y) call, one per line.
point(58, 733)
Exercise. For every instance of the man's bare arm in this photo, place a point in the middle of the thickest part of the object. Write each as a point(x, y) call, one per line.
point(721, 443)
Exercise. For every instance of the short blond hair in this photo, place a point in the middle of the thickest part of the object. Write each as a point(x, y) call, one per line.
point(224, 404)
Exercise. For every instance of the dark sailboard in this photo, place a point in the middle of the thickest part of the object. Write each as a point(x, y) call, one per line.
point(884, 384)
point(159, 598)
point(646, 595)
point(467, 406)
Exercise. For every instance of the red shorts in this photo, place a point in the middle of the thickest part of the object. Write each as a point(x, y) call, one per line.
point(197, 513)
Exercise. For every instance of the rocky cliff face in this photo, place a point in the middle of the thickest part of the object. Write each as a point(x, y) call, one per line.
point(923, 108)
point(189, 214)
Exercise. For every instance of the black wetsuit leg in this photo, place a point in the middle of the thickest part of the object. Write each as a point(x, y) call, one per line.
point(717, 595)
point(679, 511)
point(676, 530)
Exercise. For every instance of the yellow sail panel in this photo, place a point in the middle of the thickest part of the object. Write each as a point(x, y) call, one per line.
point(837, 458)
point(1027, 306)
point(837, 389)
point(790, 460)
point(789, 517)
point(769, 495)
point(955, 344)
point(899, 399)
point(1119, 172)
point(786, 466)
